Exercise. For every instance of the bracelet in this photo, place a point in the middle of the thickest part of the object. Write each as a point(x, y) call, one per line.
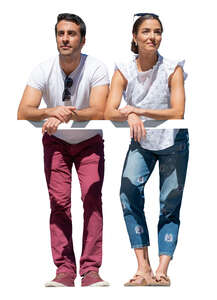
point(74, 113)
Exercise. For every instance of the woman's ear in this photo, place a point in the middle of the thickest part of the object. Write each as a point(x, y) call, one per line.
point(134, 39)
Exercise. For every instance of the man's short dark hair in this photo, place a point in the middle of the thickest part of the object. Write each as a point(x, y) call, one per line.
point(72, 18)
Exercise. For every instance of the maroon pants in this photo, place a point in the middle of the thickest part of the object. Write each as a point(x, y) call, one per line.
point(88, 157)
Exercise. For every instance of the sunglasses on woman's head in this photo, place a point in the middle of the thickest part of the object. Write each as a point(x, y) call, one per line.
point(145, 14)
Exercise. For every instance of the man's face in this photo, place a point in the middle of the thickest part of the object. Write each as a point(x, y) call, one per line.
point(69, 38)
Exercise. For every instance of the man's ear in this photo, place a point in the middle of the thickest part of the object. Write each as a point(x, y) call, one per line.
point(83, 40)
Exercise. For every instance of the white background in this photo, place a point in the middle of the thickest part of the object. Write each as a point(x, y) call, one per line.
point(27, 38)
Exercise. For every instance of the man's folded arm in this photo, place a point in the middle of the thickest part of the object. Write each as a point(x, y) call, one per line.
point(28, 108)
point(95, 111)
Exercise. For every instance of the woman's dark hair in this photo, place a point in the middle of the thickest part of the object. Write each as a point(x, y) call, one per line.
point(136, 26)
point(74, 19)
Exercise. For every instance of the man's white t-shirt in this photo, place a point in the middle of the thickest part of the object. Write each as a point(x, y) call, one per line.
point(48, 77)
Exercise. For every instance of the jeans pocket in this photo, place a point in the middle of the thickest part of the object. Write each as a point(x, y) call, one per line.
point(182, 136)
point(177, 148)
point(180, 147)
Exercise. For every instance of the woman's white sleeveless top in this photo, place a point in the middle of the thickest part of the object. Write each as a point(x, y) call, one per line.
point(150, 90)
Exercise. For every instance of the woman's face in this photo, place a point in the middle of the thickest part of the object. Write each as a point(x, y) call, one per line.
point(149, 36)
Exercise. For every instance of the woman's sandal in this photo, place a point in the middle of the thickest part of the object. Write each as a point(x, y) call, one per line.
point(142, 280)
point(163, 280)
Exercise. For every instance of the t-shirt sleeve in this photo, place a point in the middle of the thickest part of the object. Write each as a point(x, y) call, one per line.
point(100, 76)
point(37, 78)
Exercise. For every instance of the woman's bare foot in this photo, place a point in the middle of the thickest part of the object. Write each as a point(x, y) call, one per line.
point(146, 273)
point(162, 279)
point(161, 273)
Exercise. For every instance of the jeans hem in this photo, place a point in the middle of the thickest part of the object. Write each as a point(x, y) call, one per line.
point(166, 253)
point(139, 246)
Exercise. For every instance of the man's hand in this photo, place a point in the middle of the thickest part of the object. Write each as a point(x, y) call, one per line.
point(137, 130)
point(29, 108)
point(128, 109)
point(63, 113)
point(50, 126)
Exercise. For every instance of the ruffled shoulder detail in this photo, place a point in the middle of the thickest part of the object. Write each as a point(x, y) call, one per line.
point(170, 66)
point(127, 69)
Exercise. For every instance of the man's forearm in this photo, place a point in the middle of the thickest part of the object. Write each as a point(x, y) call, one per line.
point(33, 113)
point(87, 114)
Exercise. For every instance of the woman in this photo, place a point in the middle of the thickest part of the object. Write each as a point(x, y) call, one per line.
point(153, 88)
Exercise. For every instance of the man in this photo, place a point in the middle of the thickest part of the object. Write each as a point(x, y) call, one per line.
point(74, 86)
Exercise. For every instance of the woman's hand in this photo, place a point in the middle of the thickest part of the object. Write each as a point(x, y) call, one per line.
point(50, 126)
point(137, 130)
point(128, 109)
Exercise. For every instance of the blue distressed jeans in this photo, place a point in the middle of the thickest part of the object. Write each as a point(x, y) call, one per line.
point(138, 166)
